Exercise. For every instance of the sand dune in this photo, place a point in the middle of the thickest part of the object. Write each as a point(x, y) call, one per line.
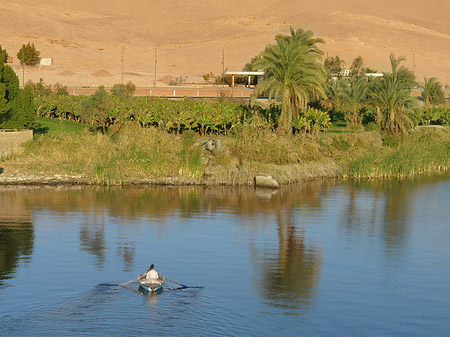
point(85, 37)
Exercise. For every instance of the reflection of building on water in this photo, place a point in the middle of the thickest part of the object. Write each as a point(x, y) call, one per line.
point(16, 232)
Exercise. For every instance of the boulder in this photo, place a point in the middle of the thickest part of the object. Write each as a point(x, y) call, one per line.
point(266, 181)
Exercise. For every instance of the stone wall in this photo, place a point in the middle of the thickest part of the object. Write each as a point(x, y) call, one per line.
point(11, 141)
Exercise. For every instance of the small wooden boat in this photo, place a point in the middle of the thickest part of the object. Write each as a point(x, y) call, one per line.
point(150, 286)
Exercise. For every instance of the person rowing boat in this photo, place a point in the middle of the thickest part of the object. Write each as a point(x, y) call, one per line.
point(152, 276)
point(150, 280)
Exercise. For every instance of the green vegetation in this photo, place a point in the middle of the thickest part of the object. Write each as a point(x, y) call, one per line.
point(419, 153)
point(354, 94)
point(372, 124)
point(392, 94)
point(334, 67)
point(94, 109)
point(123, 90)
point(293, 73)
point(40, 88)
point(16, 105)
point(51, 125)
point(138, 153)
point(28, 54)
point(3, 55)
point(433, 93)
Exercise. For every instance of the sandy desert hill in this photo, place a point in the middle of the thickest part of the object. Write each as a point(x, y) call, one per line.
point(85, 39)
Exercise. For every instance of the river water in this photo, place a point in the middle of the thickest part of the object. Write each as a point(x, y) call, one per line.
point(318, 259)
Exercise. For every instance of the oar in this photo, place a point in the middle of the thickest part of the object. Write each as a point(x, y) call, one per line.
point(125, 283)
point(181, 285)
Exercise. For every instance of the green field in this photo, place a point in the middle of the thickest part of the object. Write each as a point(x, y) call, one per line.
point(50, 125)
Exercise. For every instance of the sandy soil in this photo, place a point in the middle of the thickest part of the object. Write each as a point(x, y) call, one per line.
point(86, 39)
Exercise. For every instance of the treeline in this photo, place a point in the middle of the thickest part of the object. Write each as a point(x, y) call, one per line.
point(348, 102)
point(307, 93)
point(296, 76)
point(103, 110)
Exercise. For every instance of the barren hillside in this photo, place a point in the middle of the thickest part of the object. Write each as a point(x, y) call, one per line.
point(86, 38)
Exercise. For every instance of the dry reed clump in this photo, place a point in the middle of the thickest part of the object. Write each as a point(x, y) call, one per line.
point(135, 153)
point(346, 147)
point(264, 146)
point(59, 153)
point(149, 151)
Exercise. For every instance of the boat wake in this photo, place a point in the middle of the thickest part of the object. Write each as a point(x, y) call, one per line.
point(73, 315)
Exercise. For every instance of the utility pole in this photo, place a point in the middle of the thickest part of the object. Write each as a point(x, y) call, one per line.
point(154, 82)
point(122, 63)
point(414, 64)
point(23, 66)
point(223, 68)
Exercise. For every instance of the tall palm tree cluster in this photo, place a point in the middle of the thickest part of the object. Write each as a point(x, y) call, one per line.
point(392, 94)
point(295, 75)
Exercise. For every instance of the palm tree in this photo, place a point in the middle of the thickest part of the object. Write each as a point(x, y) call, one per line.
point(293, 73)
point(354, 94)
point(392, 94)
point(335, 93)
point(432, 92)
point(427, 90)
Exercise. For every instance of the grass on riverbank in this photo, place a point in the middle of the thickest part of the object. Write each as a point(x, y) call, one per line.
point(137, 153)
point(421, 152)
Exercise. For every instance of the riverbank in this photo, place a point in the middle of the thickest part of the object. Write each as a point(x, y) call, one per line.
point(148, 156)
point(234, 176)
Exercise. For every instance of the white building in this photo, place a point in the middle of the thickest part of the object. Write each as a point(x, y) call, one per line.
point(46, 61)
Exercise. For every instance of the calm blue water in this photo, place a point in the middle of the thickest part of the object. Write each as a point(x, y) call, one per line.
point(320, 259)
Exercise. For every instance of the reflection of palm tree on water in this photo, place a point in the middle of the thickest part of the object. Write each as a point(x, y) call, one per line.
point(290, 275)
point(387, 211)
point(92, 240)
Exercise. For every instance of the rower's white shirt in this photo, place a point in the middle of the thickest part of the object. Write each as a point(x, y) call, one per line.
point(152, 275)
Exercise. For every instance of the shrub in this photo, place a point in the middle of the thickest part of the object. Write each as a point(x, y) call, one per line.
point(312, 121)
point(94, 109)
point(39, 88)
point(435, 116)
point(122, 90)
point(16, 105)
point(3, 55)
point(28, 54)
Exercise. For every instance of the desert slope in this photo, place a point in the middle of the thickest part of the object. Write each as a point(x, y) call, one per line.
point(85, 38)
